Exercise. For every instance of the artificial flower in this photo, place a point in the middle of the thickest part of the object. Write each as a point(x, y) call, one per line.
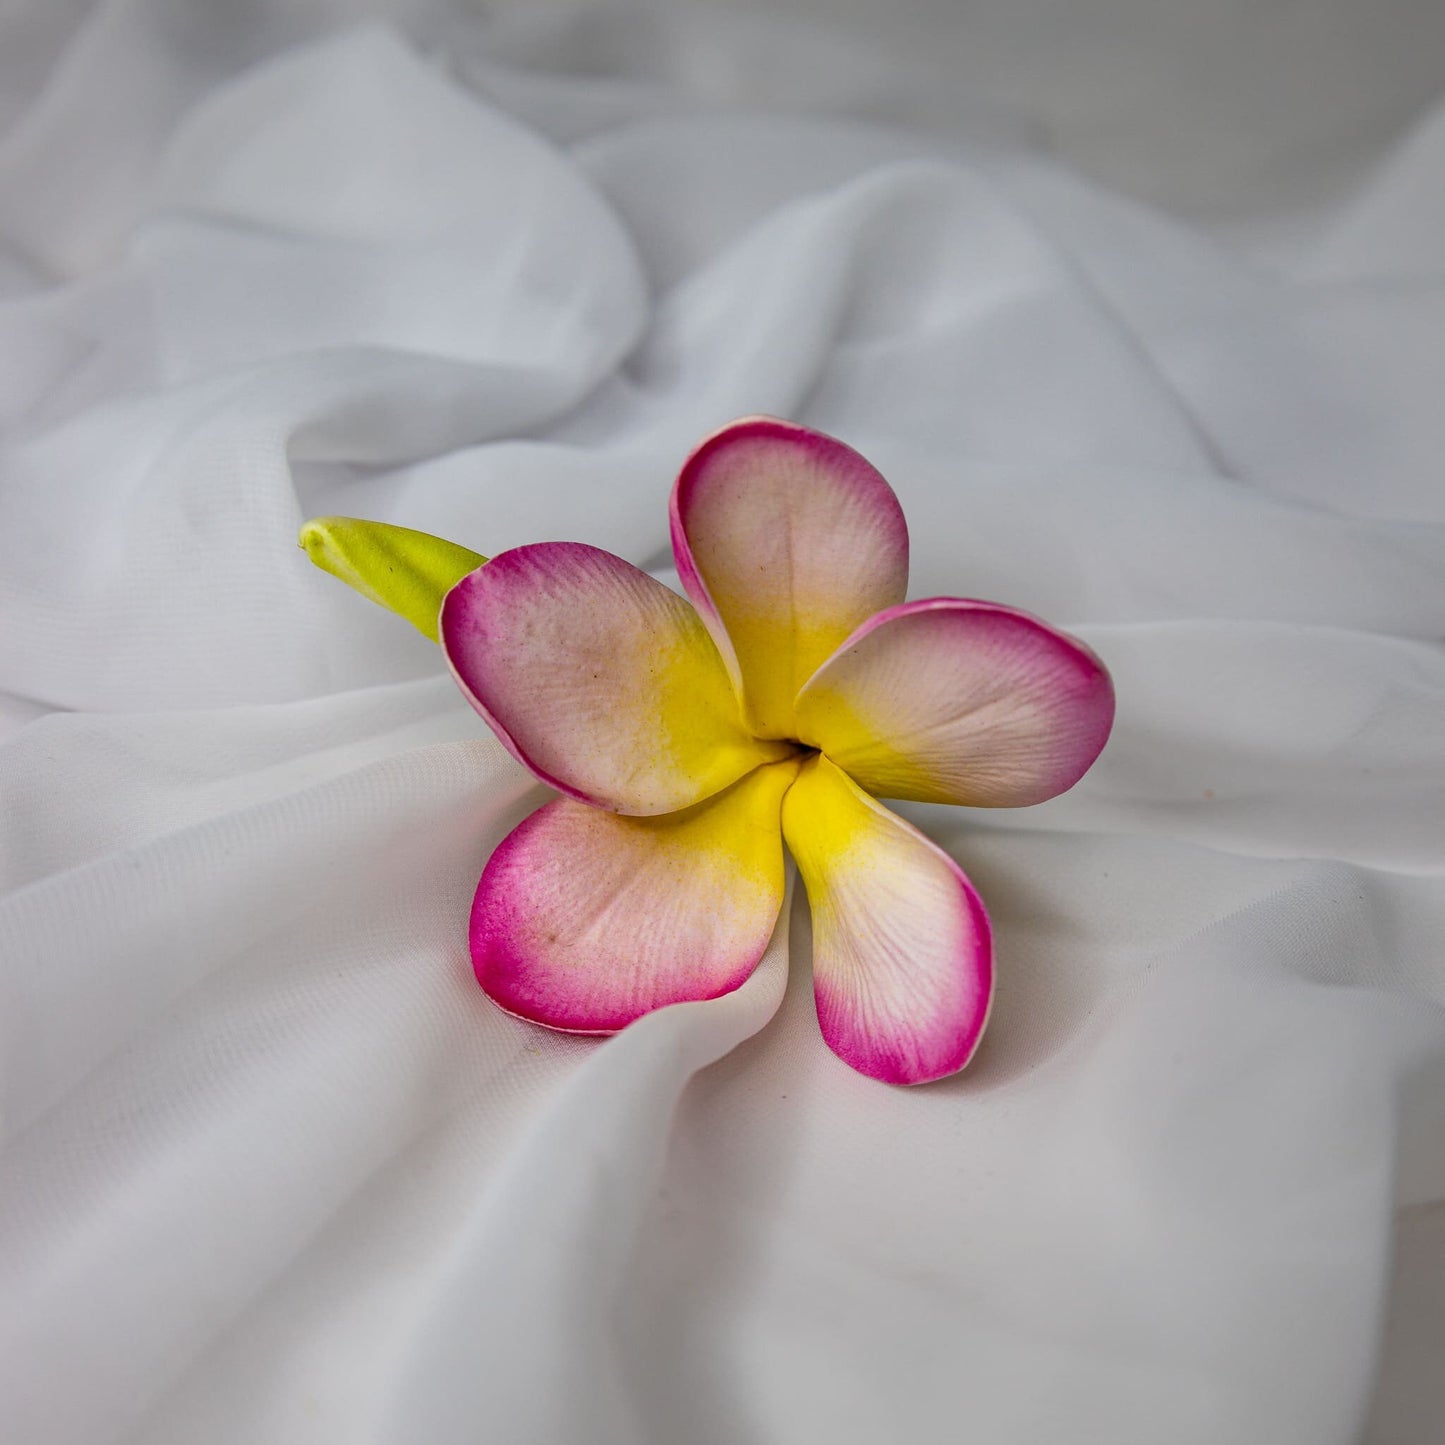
point(689, 739)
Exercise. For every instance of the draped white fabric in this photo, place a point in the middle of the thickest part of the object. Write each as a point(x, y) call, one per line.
point(275, 1171)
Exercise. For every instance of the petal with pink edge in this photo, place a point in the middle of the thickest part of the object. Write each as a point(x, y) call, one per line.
point(902, 950)
point(951, 701)
point(786, 540)
point(598, 678)
point(585, 920)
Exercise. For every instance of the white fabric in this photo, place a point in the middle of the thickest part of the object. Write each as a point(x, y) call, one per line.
point(275, 1171)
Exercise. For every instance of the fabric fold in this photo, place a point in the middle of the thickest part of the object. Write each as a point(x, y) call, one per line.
point(572, 1199)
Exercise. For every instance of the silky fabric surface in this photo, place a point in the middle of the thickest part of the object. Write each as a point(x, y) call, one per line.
point(275, 1171)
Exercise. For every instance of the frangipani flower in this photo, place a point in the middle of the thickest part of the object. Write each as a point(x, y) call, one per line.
point(690, 740)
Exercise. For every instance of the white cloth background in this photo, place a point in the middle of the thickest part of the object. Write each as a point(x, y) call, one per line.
point(275, 1171)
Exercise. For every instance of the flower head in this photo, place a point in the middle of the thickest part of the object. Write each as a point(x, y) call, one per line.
point(690, 740)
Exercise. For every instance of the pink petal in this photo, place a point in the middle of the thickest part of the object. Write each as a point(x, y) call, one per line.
point(902, 951)
point(786, 540)
point(598, 678)
point(585, 920)
point(948, 701)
